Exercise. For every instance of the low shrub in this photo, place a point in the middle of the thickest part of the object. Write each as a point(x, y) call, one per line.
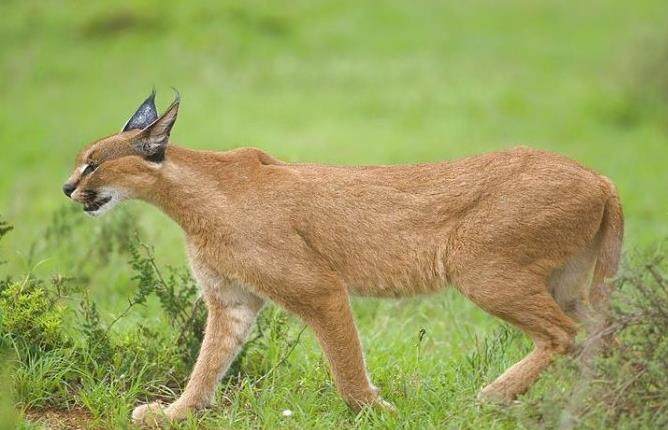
point(30, 313)
point(62, 349)
point(619, 378)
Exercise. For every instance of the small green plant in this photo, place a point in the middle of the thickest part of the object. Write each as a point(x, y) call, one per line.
point(62, 341)
point(491, 352)
point(177, 293)
point(30, 312)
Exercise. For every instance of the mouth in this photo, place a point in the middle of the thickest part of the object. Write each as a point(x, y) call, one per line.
point(96, 205)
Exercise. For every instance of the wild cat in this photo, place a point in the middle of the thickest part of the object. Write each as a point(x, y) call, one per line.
point(529, 236)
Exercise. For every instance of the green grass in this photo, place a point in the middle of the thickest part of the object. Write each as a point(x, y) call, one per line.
point(332, 82)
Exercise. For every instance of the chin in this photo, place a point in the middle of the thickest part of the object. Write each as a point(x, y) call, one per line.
point(98, 212)
point(103, 204)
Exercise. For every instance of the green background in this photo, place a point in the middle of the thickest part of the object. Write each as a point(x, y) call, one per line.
point(345, 82)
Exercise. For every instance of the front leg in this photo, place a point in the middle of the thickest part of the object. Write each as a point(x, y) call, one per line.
point(231, 312)
point(330, 317)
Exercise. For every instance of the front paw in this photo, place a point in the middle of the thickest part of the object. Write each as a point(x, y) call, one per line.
point(376, 402)
point(384, 406)
point(150, 415)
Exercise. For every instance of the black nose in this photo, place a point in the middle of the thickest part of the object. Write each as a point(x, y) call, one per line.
point(68, 189)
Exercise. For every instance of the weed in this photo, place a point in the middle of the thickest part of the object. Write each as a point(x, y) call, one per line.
point(31, 314)
point(68, 355)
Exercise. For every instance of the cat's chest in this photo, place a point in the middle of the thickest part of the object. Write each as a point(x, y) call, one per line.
point(206, 268)
point(216, 280)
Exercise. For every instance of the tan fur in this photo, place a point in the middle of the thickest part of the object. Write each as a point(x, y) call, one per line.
point(511, 230)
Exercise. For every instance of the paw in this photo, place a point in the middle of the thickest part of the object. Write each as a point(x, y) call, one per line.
point(384, 406)
point(151, 414)
point(381, 404)
point(377, 404)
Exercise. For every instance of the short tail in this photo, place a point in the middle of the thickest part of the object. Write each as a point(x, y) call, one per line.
point(610, 236)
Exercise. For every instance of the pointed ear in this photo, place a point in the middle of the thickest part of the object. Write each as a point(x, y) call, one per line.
point(146, 113)
point(151, 142)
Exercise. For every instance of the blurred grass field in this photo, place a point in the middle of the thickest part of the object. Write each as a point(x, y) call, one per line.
point(344, 82)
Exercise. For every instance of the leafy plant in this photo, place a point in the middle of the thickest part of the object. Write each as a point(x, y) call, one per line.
point(30, 313)
point(177, 293)
point(53, 321)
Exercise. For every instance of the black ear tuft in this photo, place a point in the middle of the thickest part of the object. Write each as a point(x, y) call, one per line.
point(152, 141)
point(146, 114)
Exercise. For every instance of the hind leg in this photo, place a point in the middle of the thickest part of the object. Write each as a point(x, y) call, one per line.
point(583, 295)
point(570, 285)
point(526, 303)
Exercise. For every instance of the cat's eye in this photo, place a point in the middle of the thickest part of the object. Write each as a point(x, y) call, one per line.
point(89, 168)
